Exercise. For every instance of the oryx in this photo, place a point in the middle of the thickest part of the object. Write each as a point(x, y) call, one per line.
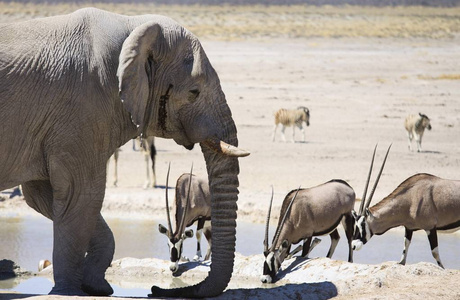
point(307, 213)
point(421, 202)
point(192, 203)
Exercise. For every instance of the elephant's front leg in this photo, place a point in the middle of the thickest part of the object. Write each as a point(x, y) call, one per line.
point(78, 192)
point(98, 259)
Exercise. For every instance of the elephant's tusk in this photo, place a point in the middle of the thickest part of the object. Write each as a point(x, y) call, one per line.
point(224, 148)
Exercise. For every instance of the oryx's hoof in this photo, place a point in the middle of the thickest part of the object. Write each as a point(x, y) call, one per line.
point(196, 258)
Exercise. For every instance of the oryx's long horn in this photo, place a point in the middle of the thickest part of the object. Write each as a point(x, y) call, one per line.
point(368, 202)
point(167, 201)
point(363, 199)
point(278, 232)
point(224, 148)
point(187, 203)
point(267, 223)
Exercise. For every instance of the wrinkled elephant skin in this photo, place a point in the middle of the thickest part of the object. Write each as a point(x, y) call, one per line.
point(73, 89)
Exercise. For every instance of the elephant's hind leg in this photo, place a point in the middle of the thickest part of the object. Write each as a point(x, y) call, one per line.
point(39, 195)
point(98, 258)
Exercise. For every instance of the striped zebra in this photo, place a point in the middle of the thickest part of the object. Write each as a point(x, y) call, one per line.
point(291, 117)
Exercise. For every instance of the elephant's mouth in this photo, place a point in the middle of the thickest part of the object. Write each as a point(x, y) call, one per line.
point(189, 147)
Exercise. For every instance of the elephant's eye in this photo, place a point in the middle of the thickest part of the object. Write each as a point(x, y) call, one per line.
point(193, 95)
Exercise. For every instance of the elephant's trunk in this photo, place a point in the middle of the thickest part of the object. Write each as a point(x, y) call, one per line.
point(223, 183)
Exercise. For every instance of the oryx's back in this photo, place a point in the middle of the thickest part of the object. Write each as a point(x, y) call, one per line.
point(430, 199)
point(200, 197)
point(446, 195)
point(320, 208)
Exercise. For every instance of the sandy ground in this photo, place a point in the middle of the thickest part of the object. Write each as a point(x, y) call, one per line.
point(359, 90)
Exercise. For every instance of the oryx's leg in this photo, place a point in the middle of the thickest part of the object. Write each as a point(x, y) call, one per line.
point(208, 234)
point(153, 153)
point(148, 181)
point(283, 137)
point(347, 223)
point(115, 166)
point(274, 132)
point(335, 237)
point(306, 246)
point(407, 240)
point(134, 144)
point(312, 246)
point(199, 231)
point(433, 239)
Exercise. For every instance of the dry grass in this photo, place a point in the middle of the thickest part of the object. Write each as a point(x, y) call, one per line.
point(243, 22)
point(440, 77)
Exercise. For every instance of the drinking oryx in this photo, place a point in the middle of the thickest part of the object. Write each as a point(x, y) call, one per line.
point(192, 203)
point(421, 202)
point(316, 211)
point(291, 117)
point(415, 126)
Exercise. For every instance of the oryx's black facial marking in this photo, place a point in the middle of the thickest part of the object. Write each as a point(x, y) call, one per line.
point(362, 231)
point(174, 254)
point(175, 249)
point(271, 266)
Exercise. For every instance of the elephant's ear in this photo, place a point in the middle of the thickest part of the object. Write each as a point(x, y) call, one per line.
point(135, 69)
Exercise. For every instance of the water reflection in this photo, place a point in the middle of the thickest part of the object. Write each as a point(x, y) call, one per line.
point(28, 240)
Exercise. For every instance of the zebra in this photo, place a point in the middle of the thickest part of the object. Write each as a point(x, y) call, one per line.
point(415, 126)
point(291, 117)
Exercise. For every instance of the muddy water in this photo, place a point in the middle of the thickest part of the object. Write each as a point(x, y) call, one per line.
point(28, 240)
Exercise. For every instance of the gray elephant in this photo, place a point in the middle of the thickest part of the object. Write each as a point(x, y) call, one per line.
point(73, 89)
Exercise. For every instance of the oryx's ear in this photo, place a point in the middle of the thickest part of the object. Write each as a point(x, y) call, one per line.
point(136, 69)
point(162, 229)
point(188, 234)
point(354, 214)
point(285, 244)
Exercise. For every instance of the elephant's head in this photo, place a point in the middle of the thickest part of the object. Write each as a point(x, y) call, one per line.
point(171, 90)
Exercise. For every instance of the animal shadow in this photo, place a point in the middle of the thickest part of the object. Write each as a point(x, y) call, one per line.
point(310, 291)
point(430, 152)
point(297, 263)
point(164, 187)
point(184, 267)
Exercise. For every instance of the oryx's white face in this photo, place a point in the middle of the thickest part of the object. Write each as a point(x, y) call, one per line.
point(273, 261)
point(175, 253)
point(362, 233)
point(175, 245)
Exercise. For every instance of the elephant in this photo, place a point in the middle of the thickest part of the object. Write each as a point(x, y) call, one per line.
point(74, 88)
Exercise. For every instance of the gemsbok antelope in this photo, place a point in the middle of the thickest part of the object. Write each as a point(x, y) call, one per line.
point(291, 117)
point(192, 203)
point(415, 126)
point(316, 211)
point(421, 202)
point(148, 149)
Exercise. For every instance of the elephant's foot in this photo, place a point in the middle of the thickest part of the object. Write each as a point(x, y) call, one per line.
point(97, 287)
point(67, 291)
